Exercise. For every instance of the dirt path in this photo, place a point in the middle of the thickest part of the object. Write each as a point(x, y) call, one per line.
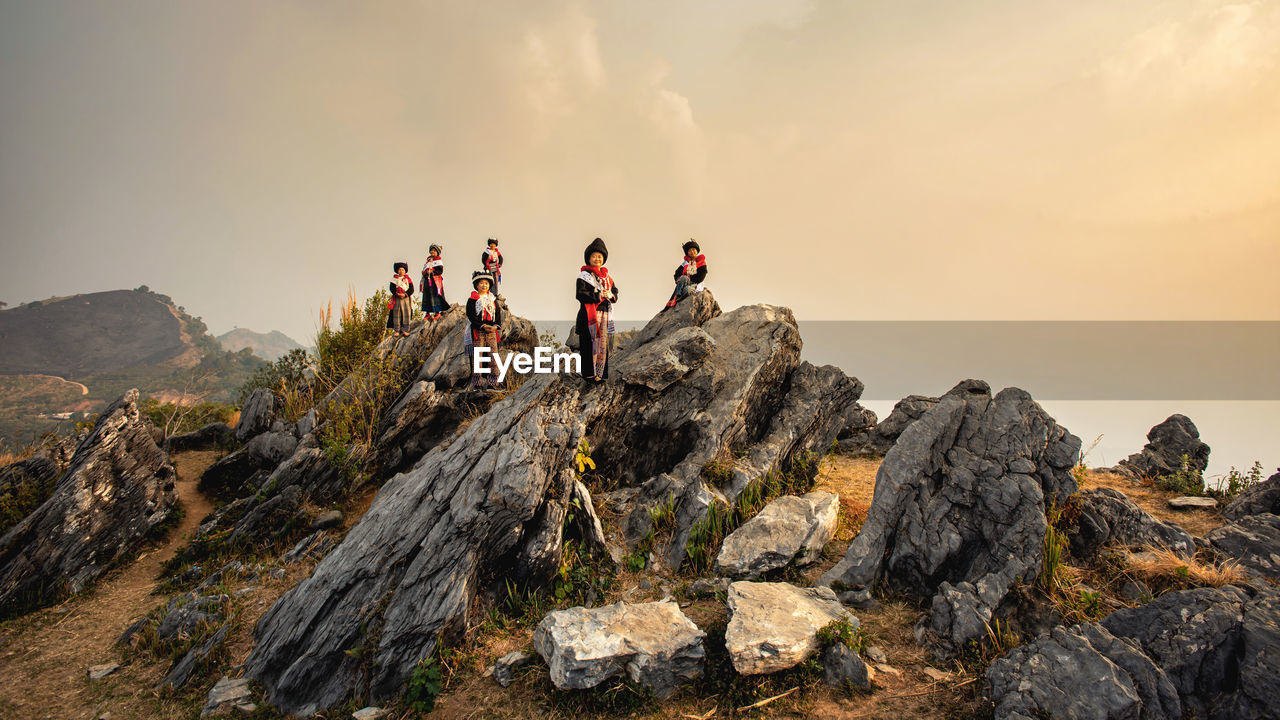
point(44, 656)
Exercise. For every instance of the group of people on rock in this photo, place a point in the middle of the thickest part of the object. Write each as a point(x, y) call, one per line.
point(596, 293)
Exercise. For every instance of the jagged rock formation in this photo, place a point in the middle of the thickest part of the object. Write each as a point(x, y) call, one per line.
point(250, 465)
point(1261, 498)
point(118, 487)
point(653, 643)
point(1107, 517)
point(878, 439)
point(958, 514)
point(1252, 541)
point(789, 529)
point(1205, 653)
point(491, 502)
point(256, 415)
point(1166, 444)
point(213, 435)
point(774, 626)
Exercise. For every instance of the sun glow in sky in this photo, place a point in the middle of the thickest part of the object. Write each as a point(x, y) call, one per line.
point(852, 160)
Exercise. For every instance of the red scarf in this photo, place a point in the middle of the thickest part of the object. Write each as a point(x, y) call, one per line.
point(601, 272)
point(700, 261)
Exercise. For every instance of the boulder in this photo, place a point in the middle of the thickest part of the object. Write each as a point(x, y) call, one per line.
point(653, 643)
point(878, 439)
point(420, 420)
point(256, 415)
point(250, 465)
point(1252, 541)
point(788, 529)
point(774, 626)
point(842, 668)
point(1261, 498)
point(504, 667)
point(1081, 672)
point(117, 489)
point(958, 515)
point(213, 435)
point(484, 507)
point(1166, 444)
point(1107, 517)
point(668, 358)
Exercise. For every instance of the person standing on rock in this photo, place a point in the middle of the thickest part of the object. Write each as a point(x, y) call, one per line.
point(400, 309)
point(433, 302)
point(596, 292)
point(484, 317)
point(491, 261)
point(690, 273)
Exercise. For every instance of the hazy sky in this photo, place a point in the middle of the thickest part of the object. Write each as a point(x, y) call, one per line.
point(986, 159)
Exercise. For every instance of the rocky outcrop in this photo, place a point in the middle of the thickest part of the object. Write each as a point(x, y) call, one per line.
point(118, 487)
point(1261, 498)
point(490, 503)
point(774, 626)
point(251, 465)
point(1166, 444)
point(1107, 517)
point(1204, 653)
point(256, 415)
point(958, 514)
point(1082, 672)
point(1252, 541)
point(878, 439)
point(789, 529)
point(843, 668)
point(447, 365)
point(421, 419)
point(24, 485)
point(654, 644)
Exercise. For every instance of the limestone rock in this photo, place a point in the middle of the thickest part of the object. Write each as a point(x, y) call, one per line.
point(1081, 672)
point(788, 529)
point(504, 666)
point(653, 643)
point(1192, 502)
point(878, 439)
point(660, 363)
point(251, 464)
point(1262, 498)
point(841, 667)
point(257, 414)
point(228, 695)
point(97, 672)
point(118, 487)
point(958, 514)
point(774, 626)
point(213, 435)
point(1253, 541)
point(1107, 517)
point(1166, 444)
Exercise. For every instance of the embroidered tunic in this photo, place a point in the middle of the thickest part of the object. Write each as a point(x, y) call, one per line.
point(400, 309)
point(595, 319)
point(491, 260)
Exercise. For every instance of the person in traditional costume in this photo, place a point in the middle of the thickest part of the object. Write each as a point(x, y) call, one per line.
point(484, 318)
point(596, 292)
point(400, 309)
point(433, 302)
point(690, 273)
point(491, 261)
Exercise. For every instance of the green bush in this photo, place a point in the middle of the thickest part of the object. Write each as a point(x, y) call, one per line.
point(285, 376)
point(178, 419)
point(1184, 480)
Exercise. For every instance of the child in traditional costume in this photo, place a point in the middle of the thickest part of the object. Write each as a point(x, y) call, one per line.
point(491, 261)
point(433, 302)
point(690, 273)
point(484, 317)
point(400, 309)
point(596, 292)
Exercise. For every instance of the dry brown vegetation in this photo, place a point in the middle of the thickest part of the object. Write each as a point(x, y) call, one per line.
point(1147, 496)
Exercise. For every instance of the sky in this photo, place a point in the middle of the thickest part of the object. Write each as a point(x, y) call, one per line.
point(984, 160)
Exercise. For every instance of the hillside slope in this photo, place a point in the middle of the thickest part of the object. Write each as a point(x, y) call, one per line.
point(268, 346)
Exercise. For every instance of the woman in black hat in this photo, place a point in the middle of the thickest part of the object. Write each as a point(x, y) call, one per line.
point(485, 318)
point(690, 273)
point(433, 302)
point(596, 292)
point(400, 309)
point(491, 261)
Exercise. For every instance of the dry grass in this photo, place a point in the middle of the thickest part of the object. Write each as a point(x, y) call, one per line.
point(1163, 568)
point(1147, 496)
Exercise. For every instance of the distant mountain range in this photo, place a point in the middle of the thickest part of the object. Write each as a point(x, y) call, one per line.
point(268, 346)
point(65, 356)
